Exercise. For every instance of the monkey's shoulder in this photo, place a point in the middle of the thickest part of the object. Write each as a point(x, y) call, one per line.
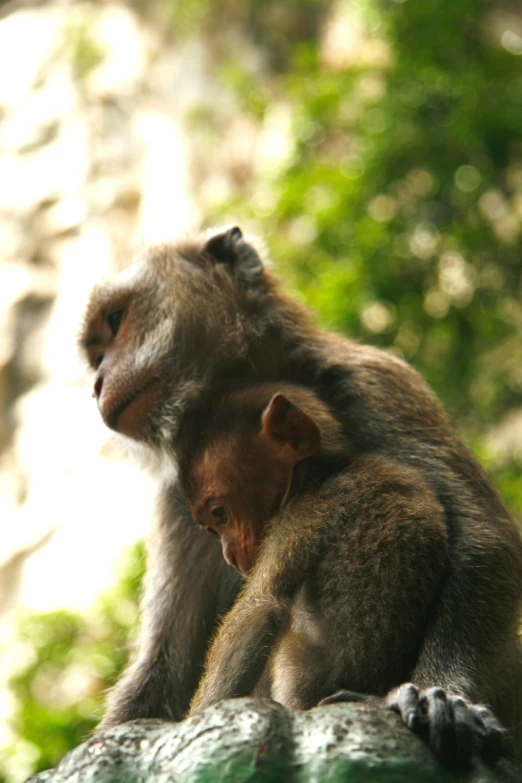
point(372, 492)
point(379, 395)
point(370, 473)
point(379, 371)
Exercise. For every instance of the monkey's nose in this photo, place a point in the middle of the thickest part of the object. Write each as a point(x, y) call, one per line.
point(98, 386)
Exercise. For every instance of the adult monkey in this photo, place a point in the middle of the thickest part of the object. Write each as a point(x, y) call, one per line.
point(203, 317)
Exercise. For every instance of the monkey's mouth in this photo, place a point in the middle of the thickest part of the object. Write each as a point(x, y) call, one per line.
point(230, 556)
point(131, 413)
point(233, 560)
point(241, 563)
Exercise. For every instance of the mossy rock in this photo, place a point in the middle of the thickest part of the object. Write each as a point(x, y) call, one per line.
point(258, 741)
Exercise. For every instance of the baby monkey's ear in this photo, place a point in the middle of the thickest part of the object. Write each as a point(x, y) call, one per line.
point(295, 434)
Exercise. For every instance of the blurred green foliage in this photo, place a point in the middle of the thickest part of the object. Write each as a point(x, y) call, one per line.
point(71, 661)
point(390, 192)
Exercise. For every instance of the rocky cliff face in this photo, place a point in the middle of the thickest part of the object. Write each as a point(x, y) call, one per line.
point(258, 740)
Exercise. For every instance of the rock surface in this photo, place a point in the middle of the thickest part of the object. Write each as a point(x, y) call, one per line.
point(256, 740)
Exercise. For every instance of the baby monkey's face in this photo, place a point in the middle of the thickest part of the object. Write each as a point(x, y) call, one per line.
point(243, 476)
point(236, 485)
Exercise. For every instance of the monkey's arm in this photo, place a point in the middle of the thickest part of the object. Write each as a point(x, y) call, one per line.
point(450, 578)
point(188, 586)
point(240, 652)
point(471, 650)
point(472, 639)
point(243, 645)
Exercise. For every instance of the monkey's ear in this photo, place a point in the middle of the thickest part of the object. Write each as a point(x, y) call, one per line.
point(290, 428)
point(232, 249)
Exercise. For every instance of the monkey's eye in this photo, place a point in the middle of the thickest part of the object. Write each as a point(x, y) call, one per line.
point(220, 514)
point(114, 320)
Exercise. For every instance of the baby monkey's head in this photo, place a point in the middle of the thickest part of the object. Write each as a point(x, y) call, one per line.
point(251, 454)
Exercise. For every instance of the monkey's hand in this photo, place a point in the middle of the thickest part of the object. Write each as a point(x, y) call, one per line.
point(452, 726)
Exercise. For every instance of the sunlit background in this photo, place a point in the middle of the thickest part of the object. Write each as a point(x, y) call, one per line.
point(376, 145)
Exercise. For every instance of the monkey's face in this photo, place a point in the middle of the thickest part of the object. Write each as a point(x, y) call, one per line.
point(158, 335)
point(127, 384)
point(236, 486)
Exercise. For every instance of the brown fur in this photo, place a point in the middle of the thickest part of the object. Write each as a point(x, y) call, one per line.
point(204, 318)
point(349, 568)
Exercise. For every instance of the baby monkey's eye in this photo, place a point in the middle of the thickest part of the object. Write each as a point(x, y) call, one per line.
point(114, 320)
point(220, 514)
point(211, 530)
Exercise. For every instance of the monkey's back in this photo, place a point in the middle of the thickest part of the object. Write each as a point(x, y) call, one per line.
point(359, 616)
point(389, 411)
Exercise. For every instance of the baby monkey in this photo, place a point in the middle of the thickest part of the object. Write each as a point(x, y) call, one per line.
point(343, 556)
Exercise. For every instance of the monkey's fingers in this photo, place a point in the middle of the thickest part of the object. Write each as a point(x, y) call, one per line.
point(405, 701)
point(450, 727)
point(493, 739)
point(343, 696)
point(444, 722)
point(464, 729)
